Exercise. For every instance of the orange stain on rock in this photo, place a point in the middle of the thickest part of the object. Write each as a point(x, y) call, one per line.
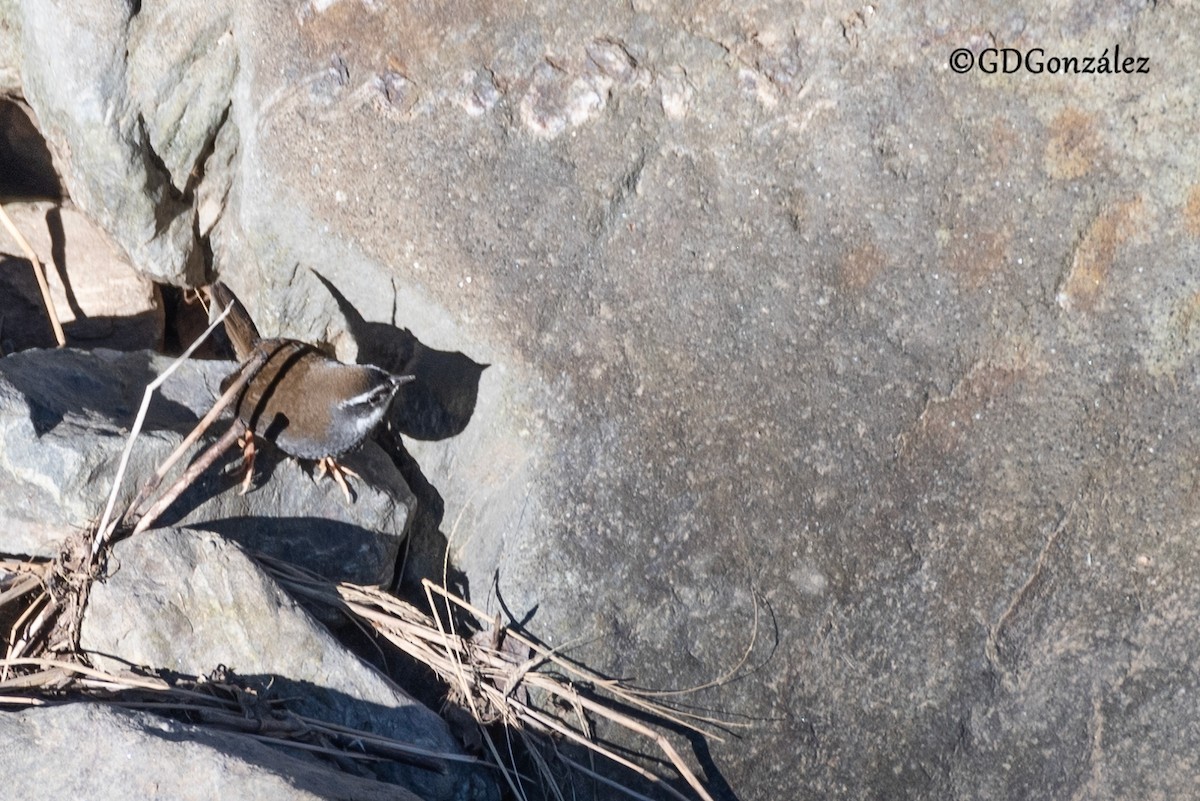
point(989, 387)
point(1094, 255)
point(861, 266)
point(975, 255)
point(1191, 211)
point(1074, 146)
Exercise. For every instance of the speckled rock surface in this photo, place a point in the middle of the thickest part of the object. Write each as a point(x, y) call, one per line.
point(779, 308)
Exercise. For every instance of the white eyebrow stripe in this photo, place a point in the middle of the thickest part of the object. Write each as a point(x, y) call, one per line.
point(367, 397)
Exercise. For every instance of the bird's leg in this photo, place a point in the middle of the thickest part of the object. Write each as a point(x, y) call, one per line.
point(248, 452)
point(339, 473)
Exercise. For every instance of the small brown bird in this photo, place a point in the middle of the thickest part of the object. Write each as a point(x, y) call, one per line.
point(309, 405)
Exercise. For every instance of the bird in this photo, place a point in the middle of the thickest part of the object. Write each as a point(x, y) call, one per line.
point(309, 405)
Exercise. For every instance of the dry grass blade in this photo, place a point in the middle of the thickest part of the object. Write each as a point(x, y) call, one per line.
point(214, 703)
point(23, 585)
point(104, 530)
point(19, 644)
point(634, 697)
point(74, 668)
point(22, 580)
point(38, 273)
point(191, 474)
point(494, 684)
point(586, 771)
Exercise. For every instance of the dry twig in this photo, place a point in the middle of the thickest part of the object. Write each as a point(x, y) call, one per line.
point(38, 273)
point(219, 703)
point(105, 530)
point(486, 677)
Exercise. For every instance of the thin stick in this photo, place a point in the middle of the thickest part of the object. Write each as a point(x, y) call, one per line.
point(386, 742)
point(26, 583)
point(586, 771)
point(318, 749)
point(35, 628)
point(104, 532)
point(139, 682)
point(199, 466)
point(727, 677)
point(29, 612)
point(248, 371)
point(634, 725)
point(551, 725)
point(38, 273)
point(633, 697)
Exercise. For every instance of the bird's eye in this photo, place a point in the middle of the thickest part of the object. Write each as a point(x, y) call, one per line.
point(369, 398)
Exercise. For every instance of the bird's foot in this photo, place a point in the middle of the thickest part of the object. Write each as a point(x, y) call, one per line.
point(339, 473)
point(248, 452)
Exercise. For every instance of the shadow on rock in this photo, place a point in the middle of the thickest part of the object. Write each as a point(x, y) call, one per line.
point(440, 403)
point(59, 383)
point(437, 405)
point(26, 166)
point(423, 555)
point(273, 703)
point(24, 324)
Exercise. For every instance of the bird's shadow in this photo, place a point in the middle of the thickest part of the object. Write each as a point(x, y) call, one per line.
point(437, 405)
point(441, 401)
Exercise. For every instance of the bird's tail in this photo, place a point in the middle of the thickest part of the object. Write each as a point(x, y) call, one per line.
point(242, 331)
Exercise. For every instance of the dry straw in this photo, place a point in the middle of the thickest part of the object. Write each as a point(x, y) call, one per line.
point(38, 272)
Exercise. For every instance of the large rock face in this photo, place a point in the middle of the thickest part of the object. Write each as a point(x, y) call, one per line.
point(780, 311)
point(74, 72)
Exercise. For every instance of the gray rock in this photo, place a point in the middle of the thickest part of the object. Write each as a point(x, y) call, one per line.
point(74, 74)
point(779, 308)
point(106, 753)
point(64, 418)
point(183, 60)
point(98, 297)
point(10, 50)
point(188, 601)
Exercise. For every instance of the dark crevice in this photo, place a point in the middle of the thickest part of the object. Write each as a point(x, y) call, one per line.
point(158, 169)
point(185, 319)
point(26, 164)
